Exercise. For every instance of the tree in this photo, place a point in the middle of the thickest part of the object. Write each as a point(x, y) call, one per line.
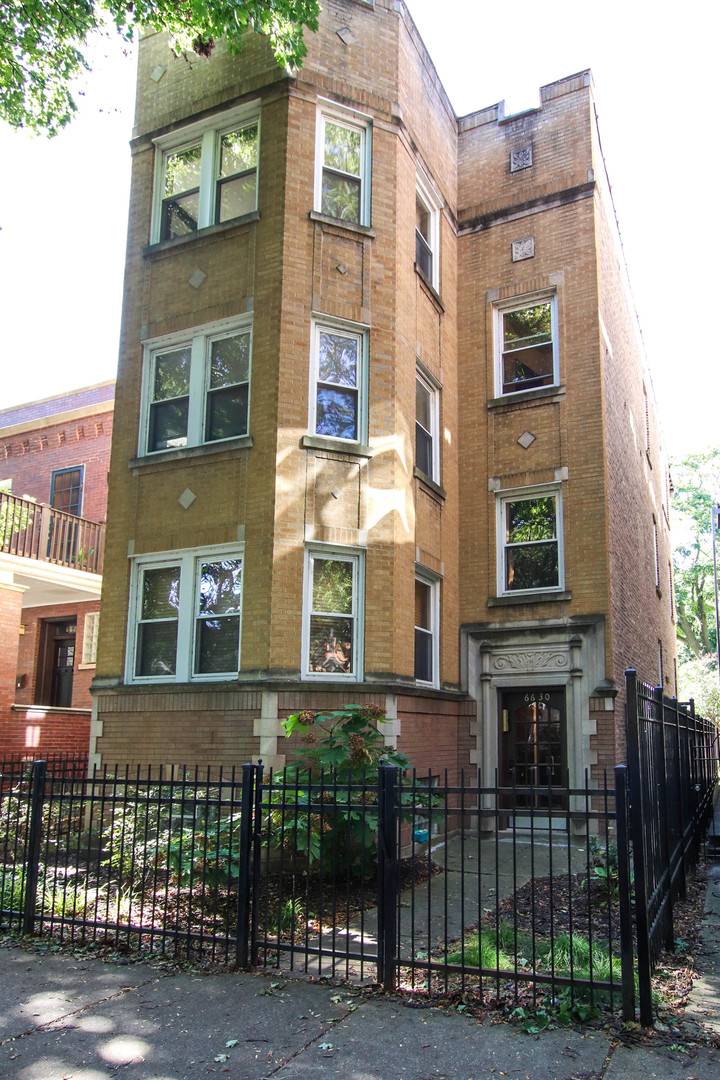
point(43, 43)
point(696, 491)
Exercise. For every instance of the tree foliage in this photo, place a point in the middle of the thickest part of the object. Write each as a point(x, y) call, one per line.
point(44, 43)
point(696, 490)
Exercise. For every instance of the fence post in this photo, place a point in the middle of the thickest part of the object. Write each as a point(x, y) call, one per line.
point(387, 876)
point(624, 891)
point(37, 798)
point(635, 791)
point(245, 877)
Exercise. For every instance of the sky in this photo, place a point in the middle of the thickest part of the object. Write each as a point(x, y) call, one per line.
point(63, 202)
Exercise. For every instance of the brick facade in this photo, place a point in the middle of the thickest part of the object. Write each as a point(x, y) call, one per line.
point(283, 493)
point(68, 431)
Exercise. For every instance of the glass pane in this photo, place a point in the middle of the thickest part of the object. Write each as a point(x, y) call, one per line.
point(532, 567)
point(336, 413)
point(422, 218)
point(216, 647)
point(332, 586)
point(338, 360)
point(229, 360)
point(238, 151)
point(182, 170)
point(423, 402)
point(157, 648)
point(168, 425)
point(528, 326)
point(423, 256)
point(160, 593)
point(172, 374)
point(423, 655)
point(227, 413)
point(530, 519)
point(236, 197)
point(423, 451)
point(220, 587)
point(67, 490)
point(180, 215)
point(340, 197)
point(422, 605)
point(331, 644)
point(528, 368)
point(342, 148)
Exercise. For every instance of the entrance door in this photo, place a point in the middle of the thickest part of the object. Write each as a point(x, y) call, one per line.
point(56, 660)
point(533, 747)
point(62, 675)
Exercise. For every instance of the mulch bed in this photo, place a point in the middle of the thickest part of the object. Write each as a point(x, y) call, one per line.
point(564, 902)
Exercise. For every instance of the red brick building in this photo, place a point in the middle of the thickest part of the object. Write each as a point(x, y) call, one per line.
point(54, 458)
point(384, 427)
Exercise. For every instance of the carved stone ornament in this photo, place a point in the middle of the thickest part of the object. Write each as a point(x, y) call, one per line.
point(520, 159)
point(523, 249)
point(531, 660)
point(526, 439)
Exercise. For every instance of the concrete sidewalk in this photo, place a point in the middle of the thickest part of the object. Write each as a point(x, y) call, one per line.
point(65, 1017)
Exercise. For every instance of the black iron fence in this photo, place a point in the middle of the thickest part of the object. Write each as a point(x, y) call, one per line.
point(673, 767)
point(504, 893)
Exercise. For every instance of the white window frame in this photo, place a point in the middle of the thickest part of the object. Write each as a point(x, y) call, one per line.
point(432, 387)
point(518, 303)
point(199, 340)
point(357, 558)
point(207, 134)
point(432, 581)
point(189, 560)
point(91, 625)
point(322, 324)
point(433, 204)
point(520, 495)
point(355, 121)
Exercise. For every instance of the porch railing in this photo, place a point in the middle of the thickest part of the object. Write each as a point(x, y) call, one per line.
point(33, 530)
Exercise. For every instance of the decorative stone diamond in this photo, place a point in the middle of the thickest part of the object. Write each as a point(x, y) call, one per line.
point(342, 268)
point(197, 278)
point(526, 439)
point(346, 35)
point(520, 159)
point(187, 499)
point(157, 73)
point(523, 249)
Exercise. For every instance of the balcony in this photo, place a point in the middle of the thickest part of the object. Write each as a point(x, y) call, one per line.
point(30, 530)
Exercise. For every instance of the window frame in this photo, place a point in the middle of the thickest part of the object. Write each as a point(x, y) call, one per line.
point(207, 134)
point(425, 194)
point(91, 627)
point(199, 339)
point(432, 582)
point(356, 557)
point(320, 324)
point(503, 498)
point(521, 303)
point(432, 387)
point(189, 560)
point(331, 111)
point(80, 487)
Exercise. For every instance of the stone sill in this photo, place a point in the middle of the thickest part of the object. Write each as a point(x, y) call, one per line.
point(244, 442)
point(209, 231)
point(522, 396)
point(336, 446)
point(528, 598)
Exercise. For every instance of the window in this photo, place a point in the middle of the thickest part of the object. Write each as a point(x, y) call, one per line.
point(526, 345)
point(185, 616)
point(530, 542)
point(66, 490)
point(206, 174)
point(91, 626)
point(427, 445)
point(656, 553)
point(197, 387)
point(332, 646)
point(338, 402)
point(342, 180)
point(427, 233)
point(427, 622)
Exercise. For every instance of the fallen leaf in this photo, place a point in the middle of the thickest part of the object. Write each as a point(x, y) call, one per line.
point(230, 1043)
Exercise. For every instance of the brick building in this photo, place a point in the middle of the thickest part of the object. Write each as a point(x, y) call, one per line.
point(384, 427)
point(54, 458)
